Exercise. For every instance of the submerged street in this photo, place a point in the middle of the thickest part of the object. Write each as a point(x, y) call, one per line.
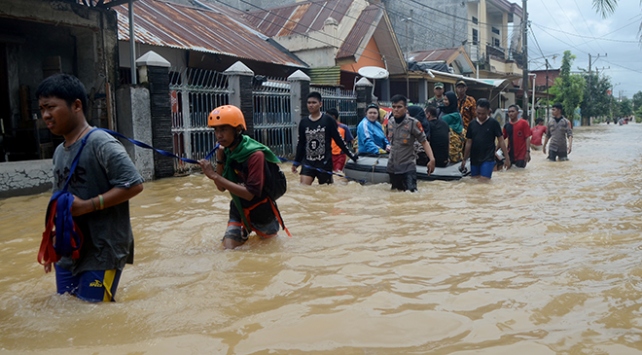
point(542, 260)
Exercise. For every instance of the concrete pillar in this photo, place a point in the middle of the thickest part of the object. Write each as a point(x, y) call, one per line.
point(240, 84)
point(135, 121)
point(363, 87)
point(423, 91)
point(156, 70)
point(299, 90)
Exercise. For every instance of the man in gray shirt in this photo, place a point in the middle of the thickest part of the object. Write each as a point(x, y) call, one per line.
point(403, 131)
point(557, 131)
point(102, 182)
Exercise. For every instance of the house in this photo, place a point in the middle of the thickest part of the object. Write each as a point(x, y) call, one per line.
point(207, 36)
point(40, 38)
point(335, 38)
point(488, 30)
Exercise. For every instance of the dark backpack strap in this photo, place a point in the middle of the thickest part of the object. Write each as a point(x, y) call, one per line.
point(74, 163)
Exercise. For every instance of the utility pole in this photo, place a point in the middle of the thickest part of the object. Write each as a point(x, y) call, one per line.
point(548, 104)
point(588, 99)
point(525, 53)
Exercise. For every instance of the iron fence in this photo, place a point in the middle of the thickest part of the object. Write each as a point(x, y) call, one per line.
point(273, 124)
point(345, 101)
point(194, 94)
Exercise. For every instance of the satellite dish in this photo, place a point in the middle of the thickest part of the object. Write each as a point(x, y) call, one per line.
point(372, 72)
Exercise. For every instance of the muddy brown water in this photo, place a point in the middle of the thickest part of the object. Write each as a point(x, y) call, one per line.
point(544, 260)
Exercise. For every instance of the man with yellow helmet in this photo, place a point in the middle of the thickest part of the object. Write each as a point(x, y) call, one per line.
point(241, 168)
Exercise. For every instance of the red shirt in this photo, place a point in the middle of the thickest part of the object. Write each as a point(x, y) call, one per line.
point(251, 173)
point(538, 131)
point(517, 133)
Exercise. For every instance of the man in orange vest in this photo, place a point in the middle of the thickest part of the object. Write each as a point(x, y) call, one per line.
point(338, 158)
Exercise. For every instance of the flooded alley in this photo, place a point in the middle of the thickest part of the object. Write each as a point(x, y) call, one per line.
point(544, 260)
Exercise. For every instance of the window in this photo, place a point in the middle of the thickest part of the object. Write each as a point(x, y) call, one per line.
point(496, 42)
point(475, 20)
point(475, 37)
point(495, 30)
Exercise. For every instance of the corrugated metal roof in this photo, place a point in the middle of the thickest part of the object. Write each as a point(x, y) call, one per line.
point(298, 18)
point(364, 27)
point(434, 55)
point(165, 24)
point(325, 76)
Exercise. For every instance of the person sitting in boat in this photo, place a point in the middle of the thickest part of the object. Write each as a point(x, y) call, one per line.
point(370, 137)
point(450, 114)
point(438, 137)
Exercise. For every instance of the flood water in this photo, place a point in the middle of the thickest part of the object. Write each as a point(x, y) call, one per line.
point(544, 260)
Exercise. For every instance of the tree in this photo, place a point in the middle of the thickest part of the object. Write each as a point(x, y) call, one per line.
point(615, 109)
point(568, 88)
point(596, 101)
point(637, 100)
point(626, 109)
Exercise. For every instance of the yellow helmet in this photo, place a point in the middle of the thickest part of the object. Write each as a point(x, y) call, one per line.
point(226, 115)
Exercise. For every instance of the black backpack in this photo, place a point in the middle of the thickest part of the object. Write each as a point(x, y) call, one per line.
point(276, 184)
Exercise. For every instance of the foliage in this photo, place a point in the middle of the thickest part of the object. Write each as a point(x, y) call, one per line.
point(626, 109)
point(568, 88)
point(637, 100)
point(607, 8)
point(615, 109)
point(596, 101)
point(638, 115)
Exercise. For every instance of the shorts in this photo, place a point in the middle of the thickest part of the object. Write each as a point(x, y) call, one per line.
point(519, 163)
point(236, 230)
point(90, 286)
point(536, 147)
point(324, 177)
point(404, 182)
point(485, 169)
point(561, 155)
point(338, 162)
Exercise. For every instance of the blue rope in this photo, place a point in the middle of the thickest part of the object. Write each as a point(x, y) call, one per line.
point(210, 154)
point(284, 160)
point(160, 151)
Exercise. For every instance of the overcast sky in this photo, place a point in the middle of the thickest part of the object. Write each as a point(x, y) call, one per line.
point(574, 25)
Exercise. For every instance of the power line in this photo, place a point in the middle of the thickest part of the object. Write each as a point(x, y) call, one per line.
point(587, 37)
point(446, 13)
point(588, 27)
point(299, 33)
point(570, 21)
point(580, 50)
point(536, 41)
point(551, 14)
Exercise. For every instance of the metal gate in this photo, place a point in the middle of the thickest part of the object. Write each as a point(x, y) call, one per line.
point(344, 101)
point(194, 94)
point(273, 124)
